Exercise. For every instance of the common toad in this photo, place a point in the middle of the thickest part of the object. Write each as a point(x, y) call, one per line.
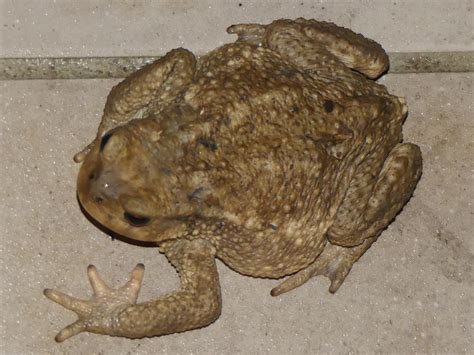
point(276, 154)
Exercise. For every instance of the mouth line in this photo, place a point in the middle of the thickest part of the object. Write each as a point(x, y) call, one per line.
point(119, 221)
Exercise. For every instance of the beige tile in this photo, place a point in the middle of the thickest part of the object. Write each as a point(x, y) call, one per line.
point(105, 28)
point(412, 292)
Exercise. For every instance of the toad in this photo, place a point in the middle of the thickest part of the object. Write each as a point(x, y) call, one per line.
point(277, 154)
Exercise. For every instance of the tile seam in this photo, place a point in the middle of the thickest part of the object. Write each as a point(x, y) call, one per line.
point(44, 68)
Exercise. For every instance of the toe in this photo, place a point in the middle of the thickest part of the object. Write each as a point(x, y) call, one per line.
point(98, 285)
point(69, 331)
point(77, 305)
point(293, 281)
point(80, 156)
point(132, 287)
point(335, 284)
point(247, 31)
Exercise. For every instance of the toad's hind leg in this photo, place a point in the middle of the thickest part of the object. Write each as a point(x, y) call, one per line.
point(334, 262)
point(394, 186)
point(312, 44)
point(156, 83)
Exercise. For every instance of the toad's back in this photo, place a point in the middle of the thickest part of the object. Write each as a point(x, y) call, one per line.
point(263, 121)
point(242, 77)
point(270, 127)
point(277, 148)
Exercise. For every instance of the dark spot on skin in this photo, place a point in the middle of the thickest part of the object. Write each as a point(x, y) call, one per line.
point(104, 141)
point(288, 72)
point(166, 171)
point(295, 109)
point(136, 221)
point(99, 200)
point(227, 121)
point(209, 144)
point(240, 4)
point(92, 176)
point(195, 194)
point(328, 106)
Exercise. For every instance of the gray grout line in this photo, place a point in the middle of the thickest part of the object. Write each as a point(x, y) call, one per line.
point(431, 62)
point(120, 67)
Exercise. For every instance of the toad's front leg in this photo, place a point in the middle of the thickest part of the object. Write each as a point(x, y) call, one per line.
point(155, 84)
point(113, 311)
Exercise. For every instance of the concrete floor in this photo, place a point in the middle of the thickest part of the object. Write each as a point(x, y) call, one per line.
point(410, 293)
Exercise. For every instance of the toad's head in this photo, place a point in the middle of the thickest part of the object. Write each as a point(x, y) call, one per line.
point(128, 184)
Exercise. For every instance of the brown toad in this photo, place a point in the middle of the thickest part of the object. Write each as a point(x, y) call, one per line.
point(276, 154)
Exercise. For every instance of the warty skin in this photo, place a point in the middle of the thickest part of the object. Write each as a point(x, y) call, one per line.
point(277, 154)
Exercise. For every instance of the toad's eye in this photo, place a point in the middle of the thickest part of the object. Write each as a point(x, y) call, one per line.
point(136, 220)
point(104, 141)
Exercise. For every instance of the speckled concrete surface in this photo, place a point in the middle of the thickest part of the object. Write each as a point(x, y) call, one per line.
point(410, 293)
point(143, 27)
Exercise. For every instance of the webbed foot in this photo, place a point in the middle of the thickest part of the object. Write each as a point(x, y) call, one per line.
point(335, 262)
point(248, 32)
point(95, 314)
